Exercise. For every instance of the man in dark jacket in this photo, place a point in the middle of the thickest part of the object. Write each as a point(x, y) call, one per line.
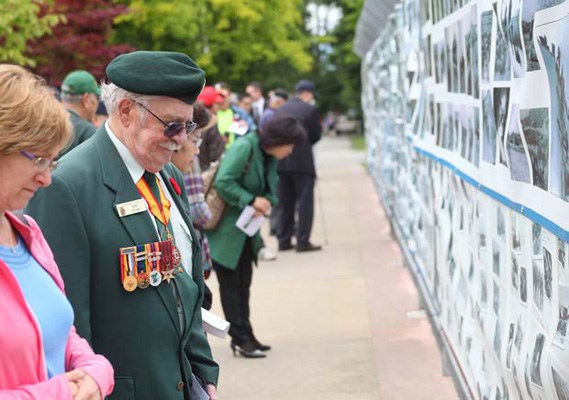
point(297, 173)
point(80, 96)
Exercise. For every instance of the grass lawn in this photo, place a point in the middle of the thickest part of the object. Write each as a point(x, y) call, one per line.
point(358, 142)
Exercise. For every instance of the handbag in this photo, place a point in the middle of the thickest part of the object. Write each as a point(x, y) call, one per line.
point(214, 201)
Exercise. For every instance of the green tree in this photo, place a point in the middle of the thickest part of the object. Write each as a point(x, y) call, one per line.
point(19, 22)
point(230, 39)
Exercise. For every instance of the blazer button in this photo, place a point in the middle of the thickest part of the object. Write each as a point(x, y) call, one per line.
point(180, 386)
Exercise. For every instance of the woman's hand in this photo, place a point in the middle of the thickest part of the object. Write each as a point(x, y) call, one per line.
point(87, 388)
point(211, 391)
point(262, 205)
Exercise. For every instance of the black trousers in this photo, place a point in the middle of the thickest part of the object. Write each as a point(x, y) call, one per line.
point(234, 292)
point(295, 190)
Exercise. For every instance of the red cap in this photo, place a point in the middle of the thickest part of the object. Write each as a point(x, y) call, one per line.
point(208, 96)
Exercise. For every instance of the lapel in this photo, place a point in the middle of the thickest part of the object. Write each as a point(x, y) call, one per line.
point(138, 226)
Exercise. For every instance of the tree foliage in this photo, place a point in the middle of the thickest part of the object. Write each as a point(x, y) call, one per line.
point(19, 22)
point(228, 38)
point(80, 41)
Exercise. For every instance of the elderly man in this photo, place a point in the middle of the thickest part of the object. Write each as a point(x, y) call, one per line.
point(116, 218)
point(80, 96)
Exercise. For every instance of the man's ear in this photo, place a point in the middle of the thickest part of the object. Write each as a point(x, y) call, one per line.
point(126, 112)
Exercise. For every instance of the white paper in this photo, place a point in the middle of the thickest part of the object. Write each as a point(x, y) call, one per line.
point(248, 223)
point(214, 325)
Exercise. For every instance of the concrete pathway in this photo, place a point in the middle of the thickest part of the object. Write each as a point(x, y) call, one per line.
point(341, 320)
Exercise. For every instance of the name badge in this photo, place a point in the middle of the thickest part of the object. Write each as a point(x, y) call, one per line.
point(131, 207)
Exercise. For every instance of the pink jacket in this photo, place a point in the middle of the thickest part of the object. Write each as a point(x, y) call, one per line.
point(23, 374)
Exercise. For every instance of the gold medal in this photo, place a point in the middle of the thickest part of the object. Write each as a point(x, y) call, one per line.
point(129, 284)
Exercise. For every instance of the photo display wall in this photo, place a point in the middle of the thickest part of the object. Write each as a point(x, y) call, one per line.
point(467, 126)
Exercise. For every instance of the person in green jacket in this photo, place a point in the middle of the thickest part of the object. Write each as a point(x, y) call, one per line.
point(116, 218)
point(247, 176)
point(80, 96)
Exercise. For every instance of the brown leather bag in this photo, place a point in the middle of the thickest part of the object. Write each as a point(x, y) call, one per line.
point(214, 201)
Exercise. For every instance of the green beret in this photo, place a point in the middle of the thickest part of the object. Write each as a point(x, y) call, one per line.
point(158, 73)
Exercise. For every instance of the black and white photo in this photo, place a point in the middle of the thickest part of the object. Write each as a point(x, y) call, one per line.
point(535, 127)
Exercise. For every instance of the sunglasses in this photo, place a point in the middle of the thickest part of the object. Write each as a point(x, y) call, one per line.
point(40, 163)
point(172, 128)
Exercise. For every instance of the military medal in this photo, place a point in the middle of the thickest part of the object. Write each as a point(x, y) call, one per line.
point(155, 278)
point(129, 284)
point(176, 257)
point(143, 281)
point(167, 271)
point(154, 258)
point(128, 279)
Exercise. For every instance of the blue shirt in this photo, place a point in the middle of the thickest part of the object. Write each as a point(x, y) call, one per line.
point(48, 304)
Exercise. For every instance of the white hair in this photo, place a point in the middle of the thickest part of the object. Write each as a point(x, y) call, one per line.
point(111, 95)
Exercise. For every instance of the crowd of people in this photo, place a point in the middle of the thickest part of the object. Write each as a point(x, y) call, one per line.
point(103, 263)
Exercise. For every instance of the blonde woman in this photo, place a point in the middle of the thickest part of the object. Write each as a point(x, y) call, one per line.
point(41, 355)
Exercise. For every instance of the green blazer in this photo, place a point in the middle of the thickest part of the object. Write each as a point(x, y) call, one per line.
point(238, 190)
point(139, 332)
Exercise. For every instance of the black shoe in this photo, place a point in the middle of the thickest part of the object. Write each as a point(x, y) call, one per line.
point(259, 345)
point(285, 246)
point(307, 247)
point(247, 350)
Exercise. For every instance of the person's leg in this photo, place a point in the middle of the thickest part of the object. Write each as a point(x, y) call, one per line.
point(246, 267)
point(305, 188)
point(287, 197)
point(231, 297)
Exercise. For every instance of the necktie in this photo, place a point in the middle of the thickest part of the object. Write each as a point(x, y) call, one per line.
point(157, 202)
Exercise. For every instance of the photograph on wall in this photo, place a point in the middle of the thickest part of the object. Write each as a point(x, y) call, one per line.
point(515, 272)
point(473, 46)
point(501, 106)
point(509, 345)
point(553, 39)
point(535, 127)
point(502, 59)
point(488, 128)
point(511, 28)
point(516, 234)
point(529, 7)
point(561, 255)
point(486, 22)
point(538, 286)
point(536, 238)
point(535, 363)
point(450, 56)
point(547, 273)
point(496, 259)
point(463, 68)
point(523, 284)
point(496, 298)
point(497, 338)
point(475, 148)
point(516, 149)
point(560, 337)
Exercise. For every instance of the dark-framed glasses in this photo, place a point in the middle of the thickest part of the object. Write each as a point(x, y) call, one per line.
point(40, 163)
point(172, 128)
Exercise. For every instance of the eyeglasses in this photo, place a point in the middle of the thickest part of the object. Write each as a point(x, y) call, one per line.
point(39, 162)
point(172, 128)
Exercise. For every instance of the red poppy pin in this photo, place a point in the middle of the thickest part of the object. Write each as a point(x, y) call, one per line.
point(175, 186)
